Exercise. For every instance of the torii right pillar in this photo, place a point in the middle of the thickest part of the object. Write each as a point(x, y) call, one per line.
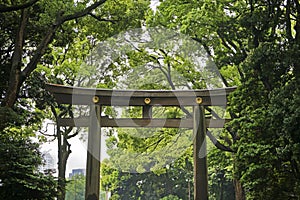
point(200, 161)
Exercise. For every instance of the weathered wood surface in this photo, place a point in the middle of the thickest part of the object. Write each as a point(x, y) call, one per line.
point(140, 122)
point(147, 111)
point(93, 156)
point(200, 161)
point(84, 96)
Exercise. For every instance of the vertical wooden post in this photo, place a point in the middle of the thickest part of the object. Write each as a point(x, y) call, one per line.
point(93, 155)
point(147, 111)
point(200, 162)
point(61, 174)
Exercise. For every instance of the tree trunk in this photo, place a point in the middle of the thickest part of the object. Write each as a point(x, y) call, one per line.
point(297, 40)
point(63, 155)
point(15, 72)
point(11, 8)
point(221, 188)
point(61, 170)
point(17, 77)
point(239, 191)
point(64, 151)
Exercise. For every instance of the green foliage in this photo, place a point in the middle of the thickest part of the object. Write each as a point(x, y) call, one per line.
point(75, 188)
point(264, 135)
point(7, 117)
point(19, 162)
point(220, 172)
point(115, 17)
point(254, 45)
point(110, 176)
point(170, 197)
point(173, 181)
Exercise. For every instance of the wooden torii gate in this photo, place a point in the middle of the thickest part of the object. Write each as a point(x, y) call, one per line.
point(96, 98)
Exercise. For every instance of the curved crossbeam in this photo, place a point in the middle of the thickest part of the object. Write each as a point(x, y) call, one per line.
point(85, 96)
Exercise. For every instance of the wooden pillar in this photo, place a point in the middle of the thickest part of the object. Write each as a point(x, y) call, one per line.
point(92, 185)
point(147, 111)
point(200, 162)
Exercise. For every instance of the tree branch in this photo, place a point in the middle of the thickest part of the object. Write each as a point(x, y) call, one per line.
point(297, 25)
point(39, 52)
point(288, 21)
point(81, 13)
point(101, 19)
point(48, 135)
point(297, 6)
point(224, 42)
point(203, 44)
point(50, 34)
point(217, 143)
point(212, 112)
point(4, 8)
point(15, 72)
point(74, 134)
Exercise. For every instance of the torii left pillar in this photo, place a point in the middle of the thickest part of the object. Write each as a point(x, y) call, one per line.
point(200, 154)
point(92, 184)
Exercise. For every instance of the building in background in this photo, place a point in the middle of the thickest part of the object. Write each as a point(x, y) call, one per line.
point(77, 172)
point(49, 164)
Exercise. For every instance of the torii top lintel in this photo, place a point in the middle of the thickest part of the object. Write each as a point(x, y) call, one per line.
point(87, 96)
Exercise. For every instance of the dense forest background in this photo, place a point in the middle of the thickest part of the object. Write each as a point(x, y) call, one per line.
point(255, 45)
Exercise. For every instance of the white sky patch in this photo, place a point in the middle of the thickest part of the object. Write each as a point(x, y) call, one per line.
point(154, 4)
point(77, 159)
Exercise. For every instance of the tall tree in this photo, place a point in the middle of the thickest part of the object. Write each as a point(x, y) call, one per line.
point(53, 40)
point(26, 47)
point(260, 40)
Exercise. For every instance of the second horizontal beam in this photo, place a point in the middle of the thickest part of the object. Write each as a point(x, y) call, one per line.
point(141, 122)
